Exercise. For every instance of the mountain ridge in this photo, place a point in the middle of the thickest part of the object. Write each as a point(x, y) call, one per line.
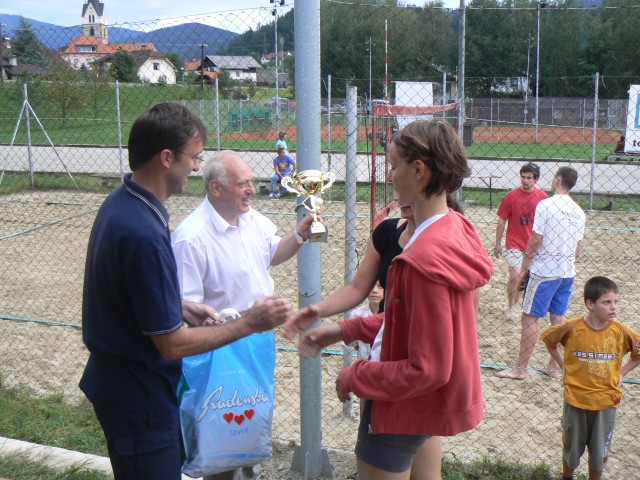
point(184, 39)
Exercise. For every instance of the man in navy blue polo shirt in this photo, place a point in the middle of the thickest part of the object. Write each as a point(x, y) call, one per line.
point(132, 313)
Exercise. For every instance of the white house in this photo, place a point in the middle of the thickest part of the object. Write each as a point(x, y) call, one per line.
point(238, 67)
point(151, 66)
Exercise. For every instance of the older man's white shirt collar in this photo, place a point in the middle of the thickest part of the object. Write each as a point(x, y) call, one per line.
point(220, 224)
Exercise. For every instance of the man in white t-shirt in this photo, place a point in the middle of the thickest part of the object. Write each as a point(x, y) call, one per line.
point(549, 267)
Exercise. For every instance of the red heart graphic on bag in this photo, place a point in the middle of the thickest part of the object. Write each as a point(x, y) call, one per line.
point(228, 417)
point(249, 413)
point(239, 419)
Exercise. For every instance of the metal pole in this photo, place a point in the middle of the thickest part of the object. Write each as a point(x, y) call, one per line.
point(2, 53)
point(217, 117)
point(350, 262)
point(275, 13)
point(386, 61)
point(309, 457)
point(526, 89)
point(444, 91)
point(593, 140)
point(370, 95)
point(202, 45)
point(119, 120)
point(537, 71)
point(329, 122)
point(461, 52)
point(27, 122)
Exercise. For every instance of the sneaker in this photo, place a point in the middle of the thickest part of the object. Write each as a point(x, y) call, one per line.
point(278, 195)
point(271, 194)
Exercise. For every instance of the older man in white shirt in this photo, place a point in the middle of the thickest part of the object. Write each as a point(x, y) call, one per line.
point(225, 249)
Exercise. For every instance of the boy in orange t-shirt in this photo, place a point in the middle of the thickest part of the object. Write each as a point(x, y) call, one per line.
point(594, 346)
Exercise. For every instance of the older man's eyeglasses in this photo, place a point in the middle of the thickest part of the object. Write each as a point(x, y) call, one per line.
point(198, 158)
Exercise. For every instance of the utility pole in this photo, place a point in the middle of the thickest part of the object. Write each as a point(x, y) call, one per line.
point(370, 45)
point(526, 89)
point(274, 12)
point(461, 73)
point(2, 52)
point(541, 4)
point(202, 47)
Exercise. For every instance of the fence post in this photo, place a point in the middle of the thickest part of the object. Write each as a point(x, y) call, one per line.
point(593, 141)
point(217, 117)
point(461, 48)
point(27, 123)
point(329, 124)
point(119, 121)
point(309, 457)
point(350, 213)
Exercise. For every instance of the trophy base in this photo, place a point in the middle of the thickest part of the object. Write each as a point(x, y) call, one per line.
point(318, 232)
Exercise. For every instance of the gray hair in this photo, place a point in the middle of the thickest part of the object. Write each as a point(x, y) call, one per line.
point(214, 169)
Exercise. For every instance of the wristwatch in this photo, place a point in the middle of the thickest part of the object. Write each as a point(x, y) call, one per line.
point(297, 236)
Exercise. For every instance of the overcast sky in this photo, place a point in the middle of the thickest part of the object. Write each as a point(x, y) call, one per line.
point(67, 12)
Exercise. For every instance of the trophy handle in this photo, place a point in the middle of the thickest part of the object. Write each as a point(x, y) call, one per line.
point(331, 177)
point(286, 183)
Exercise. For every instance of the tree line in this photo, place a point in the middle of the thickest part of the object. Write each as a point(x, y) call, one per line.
point(420, 43)
point(365, 44)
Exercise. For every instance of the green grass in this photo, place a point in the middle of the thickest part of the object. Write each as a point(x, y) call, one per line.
point(96, 124)
point(498, 470)
point(18, 468)
point(539, 150)
point(51, 421)
point(478, 196)
point(19, 181)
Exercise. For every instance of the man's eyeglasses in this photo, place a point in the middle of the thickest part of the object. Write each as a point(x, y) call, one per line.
point(197, 158)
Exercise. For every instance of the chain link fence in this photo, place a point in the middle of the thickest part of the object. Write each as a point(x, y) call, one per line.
point(63, 136)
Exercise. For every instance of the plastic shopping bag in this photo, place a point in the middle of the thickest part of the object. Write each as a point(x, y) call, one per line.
point(226, 405)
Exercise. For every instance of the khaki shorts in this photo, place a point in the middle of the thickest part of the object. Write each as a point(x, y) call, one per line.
point(587, 428)
point(514, 257)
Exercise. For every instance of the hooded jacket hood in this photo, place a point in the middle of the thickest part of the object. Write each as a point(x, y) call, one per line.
point(456, 257)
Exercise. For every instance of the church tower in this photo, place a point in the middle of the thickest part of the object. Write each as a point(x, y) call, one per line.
point(94, 21)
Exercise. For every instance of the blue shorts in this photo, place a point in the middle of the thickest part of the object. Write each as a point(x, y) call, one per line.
point(389, 452)
point(544, 295)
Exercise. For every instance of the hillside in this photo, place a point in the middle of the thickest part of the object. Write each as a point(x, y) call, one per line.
point(182, 39)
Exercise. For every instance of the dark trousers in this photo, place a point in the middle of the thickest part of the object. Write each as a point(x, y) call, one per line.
point(139, 451)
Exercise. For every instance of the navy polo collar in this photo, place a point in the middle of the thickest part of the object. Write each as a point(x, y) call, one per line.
point(148, 198)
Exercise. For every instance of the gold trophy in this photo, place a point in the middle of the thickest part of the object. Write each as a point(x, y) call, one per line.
point(311, 183)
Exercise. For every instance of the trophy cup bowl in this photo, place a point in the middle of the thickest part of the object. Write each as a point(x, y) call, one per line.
point(311, 183)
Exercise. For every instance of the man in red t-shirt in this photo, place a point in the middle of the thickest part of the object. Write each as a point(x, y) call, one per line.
point(517, 210)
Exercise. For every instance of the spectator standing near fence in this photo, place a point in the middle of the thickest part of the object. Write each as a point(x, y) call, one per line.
point(225, 250)
point(132, 313)
point(594, 346)
point(549, 265)
point(284, 166)
point(516, 211)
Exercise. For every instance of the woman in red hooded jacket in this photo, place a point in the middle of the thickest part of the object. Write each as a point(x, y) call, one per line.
point(423, 378)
